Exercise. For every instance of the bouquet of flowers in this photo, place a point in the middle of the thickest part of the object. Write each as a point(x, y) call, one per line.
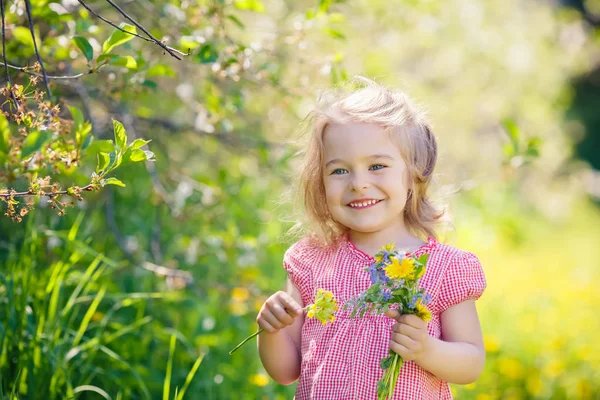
point(323, 308)
point(394, 281)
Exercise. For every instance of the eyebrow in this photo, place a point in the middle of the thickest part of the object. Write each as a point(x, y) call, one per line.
point(374, 156)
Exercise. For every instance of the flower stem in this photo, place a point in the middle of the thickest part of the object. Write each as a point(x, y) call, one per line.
point(245, 340)
point(257, 332)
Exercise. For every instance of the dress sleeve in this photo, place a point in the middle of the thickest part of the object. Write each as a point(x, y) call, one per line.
point(297, 264)
point(464, 280)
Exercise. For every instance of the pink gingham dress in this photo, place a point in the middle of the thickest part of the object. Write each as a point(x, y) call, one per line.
point(340, 360)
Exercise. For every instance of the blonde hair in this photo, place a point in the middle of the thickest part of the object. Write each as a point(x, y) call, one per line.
point(365, 101)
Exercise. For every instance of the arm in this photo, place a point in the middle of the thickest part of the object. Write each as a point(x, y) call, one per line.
point(279, 344)
point(457, 357)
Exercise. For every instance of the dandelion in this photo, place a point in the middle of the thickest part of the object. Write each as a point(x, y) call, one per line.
point(422, 312)
point(400, 269)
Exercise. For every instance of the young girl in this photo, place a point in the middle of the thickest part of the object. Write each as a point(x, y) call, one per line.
point(367, 168)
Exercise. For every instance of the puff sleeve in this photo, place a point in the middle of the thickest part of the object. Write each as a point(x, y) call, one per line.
point(297, 263)
point(464, 280)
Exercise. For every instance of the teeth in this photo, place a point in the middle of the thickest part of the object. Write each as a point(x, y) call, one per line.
point(363, 203)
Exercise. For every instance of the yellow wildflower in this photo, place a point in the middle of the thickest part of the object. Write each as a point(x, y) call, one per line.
point(422, 311)
point(400, 270)
point(378, 258)
point(324, 307)
point(389, 247)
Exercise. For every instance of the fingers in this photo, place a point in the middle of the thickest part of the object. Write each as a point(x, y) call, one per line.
point(407, 330)
point(394, 314)
point(290, 304)
point(278, 312)
point(412, 320)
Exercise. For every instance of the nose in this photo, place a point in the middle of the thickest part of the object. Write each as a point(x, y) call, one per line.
point(358, 182)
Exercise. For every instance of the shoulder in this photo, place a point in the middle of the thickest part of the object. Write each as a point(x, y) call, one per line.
point(459, 275)
point(305, 250)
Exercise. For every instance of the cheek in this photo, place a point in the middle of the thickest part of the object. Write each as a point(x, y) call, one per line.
point(333, 190)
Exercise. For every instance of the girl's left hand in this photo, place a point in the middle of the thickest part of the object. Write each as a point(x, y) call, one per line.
point(410, 338)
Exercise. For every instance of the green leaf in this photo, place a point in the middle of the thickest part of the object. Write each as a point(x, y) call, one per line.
point(335, 33)
point(97, 146)
point(533, 147)
point(22, 35)
point(125, 61)
point(207, 54)
point(118, 37)
point(188, 43)
point(103, 160)
point(160, 70)
point(137, 143)
point(77, 117)
point(4, 134)
point(137, 155)
point(114, 181)
point(85, 47)
point(236, 21)
point(513, 133)
point(250, 5)
point(150, 84)
point(120, 134)
point(423, 259)
point(34, 142)
point(108, 58)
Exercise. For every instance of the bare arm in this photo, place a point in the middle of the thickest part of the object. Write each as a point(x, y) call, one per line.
point(460, 355)
point(279, 345)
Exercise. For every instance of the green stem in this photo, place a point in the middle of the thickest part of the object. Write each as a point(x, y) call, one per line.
point(257, 333)
point(245, 340)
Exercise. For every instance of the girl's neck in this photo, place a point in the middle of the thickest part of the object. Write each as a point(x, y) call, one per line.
point(371, 242)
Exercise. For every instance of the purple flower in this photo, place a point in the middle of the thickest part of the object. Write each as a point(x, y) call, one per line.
point(427, 299)
point(377, 275)
point(413, 302)
point(386, 295)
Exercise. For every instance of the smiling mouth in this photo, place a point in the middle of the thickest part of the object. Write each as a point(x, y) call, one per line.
point(363, 204)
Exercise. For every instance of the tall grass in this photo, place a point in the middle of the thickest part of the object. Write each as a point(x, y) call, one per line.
point(57, 324)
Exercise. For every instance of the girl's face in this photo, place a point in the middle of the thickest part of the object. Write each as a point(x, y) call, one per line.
point(365, 177)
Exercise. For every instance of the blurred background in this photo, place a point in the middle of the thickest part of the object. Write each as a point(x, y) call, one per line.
point(141, 291)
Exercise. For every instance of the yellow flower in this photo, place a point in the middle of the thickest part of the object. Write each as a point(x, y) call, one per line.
point(324, 307)
point(400, 270)
point(378, 258)
point(259, 379)
point(389, 247)
point(423, 312)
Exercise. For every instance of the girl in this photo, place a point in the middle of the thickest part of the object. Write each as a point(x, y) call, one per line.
point(367, 168)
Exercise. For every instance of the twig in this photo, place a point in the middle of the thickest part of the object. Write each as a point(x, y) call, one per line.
point(77, 76)
point(37, 53)
point(4, 56)
point(160, 43)
point(152, 39)
point(87, 187)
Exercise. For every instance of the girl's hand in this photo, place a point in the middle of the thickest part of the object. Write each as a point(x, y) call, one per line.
point(410, 338)
point(278, 312)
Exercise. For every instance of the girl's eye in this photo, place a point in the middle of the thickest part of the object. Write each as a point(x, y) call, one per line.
point(376, 167)
point(338, 171)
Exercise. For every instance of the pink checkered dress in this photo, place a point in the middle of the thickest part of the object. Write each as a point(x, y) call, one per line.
point(340, 360)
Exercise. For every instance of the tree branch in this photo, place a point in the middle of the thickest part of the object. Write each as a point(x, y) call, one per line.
point(160, 43)
point(4, 56)
point(77, 76)
point(173, 52)
point(37, 53)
